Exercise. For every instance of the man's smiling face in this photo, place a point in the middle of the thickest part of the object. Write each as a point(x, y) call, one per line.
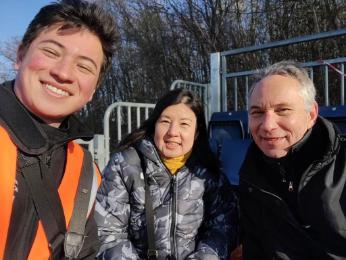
point(58, 73)
point(278, 117)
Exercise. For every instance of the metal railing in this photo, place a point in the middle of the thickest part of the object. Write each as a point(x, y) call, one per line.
point(220, 75)
point(123, 109)
point(201, 90)
point(96, 146)
point(129, 115)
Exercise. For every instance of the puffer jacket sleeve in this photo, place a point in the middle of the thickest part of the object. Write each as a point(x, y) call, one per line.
point(219, 229)
point(112, 213)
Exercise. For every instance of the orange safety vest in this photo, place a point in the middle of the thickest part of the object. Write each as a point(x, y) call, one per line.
point(67, 191)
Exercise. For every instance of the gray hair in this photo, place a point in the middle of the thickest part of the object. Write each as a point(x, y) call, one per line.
point(294, 70)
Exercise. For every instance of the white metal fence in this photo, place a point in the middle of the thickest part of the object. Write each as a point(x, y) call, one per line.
point(124, 120)
point(201, 90)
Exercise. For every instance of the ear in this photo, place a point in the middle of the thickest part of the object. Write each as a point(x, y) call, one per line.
point(313, 114)
point(92, 94)
point(19, 58)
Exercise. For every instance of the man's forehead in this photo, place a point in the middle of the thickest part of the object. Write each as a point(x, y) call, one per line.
point(275, 92)
point(277, 84)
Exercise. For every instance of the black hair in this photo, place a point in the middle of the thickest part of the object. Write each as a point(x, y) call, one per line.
point(75, 14)
point(201, 146)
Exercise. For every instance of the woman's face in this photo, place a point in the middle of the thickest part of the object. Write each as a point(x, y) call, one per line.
point(175, 131)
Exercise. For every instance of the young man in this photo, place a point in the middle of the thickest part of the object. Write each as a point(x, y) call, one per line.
point(47, 182)
point(292, 182)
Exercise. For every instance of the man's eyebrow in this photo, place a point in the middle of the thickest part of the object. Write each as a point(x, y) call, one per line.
point(63, 47)
point(283, 104)
point(255, 107)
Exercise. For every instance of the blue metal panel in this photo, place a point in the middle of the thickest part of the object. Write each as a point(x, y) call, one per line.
point(232, 155)
point(332, 111)
point(336, 114)
point(230, 119)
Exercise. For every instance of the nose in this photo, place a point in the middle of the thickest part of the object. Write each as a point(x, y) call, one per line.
point(62, 70)
point(173, 130)
point(269, 121)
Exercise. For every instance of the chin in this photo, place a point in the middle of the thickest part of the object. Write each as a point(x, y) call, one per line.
point(172, 155)
point(275, 154)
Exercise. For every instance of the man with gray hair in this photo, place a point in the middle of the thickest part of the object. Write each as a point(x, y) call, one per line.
point(292, 181)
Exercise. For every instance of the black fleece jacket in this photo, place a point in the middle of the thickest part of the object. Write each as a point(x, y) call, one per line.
point(295, 207)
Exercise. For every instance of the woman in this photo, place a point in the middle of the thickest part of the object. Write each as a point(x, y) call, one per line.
point(191, 201)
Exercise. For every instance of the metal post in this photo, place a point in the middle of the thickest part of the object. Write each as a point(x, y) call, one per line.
point(138, 110)
point(326, 86)
point(215, 80)
point(129, 127)
point(235, 82)
point(119, 122)
point(342, 84)
point(223, 84)
point(247, 92)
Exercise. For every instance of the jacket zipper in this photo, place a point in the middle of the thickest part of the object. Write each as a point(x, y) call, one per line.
point(290, 186)
point(262, 190)
point(275, 196)
point(284, 178)
point(174, 209)
point(295, 225)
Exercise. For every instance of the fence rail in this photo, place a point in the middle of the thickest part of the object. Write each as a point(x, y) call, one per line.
point(123, 117)
point(201, 90)
point(120, 115)
point(240, 81)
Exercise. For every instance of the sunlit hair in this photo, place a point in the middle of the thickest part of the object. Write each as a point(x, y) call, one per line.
point(201, 145)
point(75, 14)
point(294, 70)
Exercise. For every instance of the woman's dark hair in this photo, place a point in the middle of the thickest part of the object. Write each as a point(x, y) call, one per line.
point(75, 14)
point(201, 146)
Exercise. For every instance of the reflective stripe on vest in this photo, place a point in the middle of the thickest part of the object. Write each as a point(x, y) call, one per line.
point(67, 191)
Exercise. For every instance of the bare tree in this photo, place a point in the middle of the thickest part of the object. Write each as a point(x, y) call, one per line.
point(164, 40)
point(8, 50)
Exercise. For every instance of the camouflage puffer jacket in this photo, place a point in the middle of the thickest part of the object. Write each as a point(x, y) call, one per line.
point(194, 209)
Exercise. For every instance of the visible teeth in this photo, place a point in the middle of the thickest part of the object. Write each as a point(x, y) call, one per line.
point(56, 90)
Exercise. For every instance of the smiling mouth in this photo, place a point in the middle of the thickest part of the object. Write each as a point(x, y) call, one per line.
point(172, 144)
point(57, 91)
point(272, 139)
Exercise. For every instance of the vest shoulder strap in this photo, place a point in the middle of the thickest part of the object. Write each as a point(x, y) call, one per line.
point(76, 201)
point(74, 238)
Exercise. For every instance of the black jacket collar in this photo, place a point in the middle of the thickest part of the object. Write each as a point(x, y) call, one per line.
point(317, 147)
point(25, 131)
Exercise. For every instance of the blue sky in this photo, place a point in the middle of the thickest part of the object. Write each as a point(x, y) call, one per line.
point(16, 15)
